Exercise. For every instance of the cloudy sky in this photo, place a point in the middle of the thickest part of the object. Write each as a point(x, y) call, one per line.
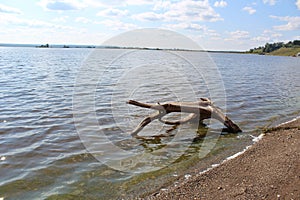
point(213, 24)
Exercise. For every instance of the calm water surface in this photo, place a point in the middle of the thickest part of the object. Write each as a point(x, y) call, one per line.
point(63, 114)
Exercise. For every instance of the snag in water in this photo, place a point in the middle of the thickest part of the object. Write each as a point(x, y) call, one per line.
point(203, 109)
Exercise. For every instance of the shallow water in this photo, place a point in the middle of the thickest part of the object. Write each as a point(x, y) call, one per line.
point(64, 122)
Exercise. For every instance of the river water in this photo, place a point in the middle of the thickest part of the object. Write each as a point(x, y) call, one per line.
point(65, 124)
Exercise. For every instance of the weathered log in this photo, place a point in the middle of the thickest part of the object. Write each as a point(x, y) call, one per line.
point(203, 109)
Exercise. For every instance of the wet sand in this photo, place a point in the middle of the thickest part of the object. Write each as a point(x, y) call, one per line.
point(270, 169)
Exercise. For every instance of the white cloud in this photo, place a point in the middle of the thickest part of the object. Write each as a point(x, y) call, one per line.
point(112, 12)
point(116, 3)
point(187, 26)
point(83, 20)
point(267, 36)
point(271, 33)
point(117, 25)
point(61, 5)
point(276, 35)
point(270, 2)
point(113, 24)
point(61, 19)
point(19, 29)
point(99, 3)
point(148, 16)
point(139, 2)
point(51, 36)
point(181, 11)
point(213, 34)
point(193, 11)
point(249, 9)
point(29, 23)
point(298, 4)
point(7, 9)
point(297, 37)
point(293, 23)
point(261, 39)
point(237, 35)
point(220, 4)
point(161, 5)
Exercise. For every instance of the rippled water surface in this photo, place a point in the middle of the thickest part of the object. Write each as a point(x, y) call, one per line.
point(64, 121)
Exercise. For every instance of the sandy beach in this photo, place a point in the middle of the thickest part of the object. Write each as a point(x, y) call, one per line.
point(270, 169)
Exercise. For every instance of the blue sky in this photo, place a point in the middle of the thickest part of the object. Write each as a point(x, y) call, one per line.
point(213, 24)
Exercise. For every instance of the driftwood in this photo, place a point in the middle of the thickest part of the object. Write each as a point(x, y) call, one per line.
point(203, 109)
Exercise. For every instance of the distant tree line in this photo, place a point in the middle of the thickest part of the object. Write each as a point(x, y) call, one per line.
point(269, 47)
point(43, 46)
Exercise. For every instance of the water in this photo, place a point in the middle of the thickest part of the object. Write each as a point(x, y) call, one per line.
point(62, 111)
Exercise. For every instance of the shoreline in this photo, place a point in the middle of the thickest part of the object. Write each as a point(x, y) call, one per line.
point(268, 169)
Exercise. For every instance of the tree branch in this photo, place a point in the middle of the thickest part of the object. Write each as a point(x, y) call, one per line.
point(203, 109)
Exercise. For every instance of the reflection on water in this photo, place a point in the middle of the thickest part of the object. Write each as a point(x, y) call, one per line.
point(43, 154)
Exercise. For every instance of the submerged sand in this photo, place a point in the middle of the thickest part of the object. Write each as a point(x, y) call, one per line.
point(270, 169)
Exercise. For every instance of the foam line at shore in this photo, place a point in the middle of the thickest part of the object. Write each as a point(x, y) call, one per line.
point(255, 139)
point(284, 123)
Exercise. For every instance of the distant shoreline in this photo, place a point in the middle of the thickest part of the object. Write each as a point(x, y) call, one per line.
point(280, 52)
point(109, 47)
point(46, 45)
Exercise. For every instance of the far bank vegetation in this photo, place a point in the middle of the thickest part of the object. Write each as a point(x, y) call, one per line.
point(291, 48)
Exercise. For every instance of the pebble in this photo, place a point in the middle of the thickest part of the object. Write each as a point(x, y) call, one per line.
point(2, 159)
point(187, 176)
point(176, 183)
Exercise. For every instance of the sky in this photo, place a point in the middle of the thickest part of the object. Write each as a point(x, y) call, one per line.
point(212, 24)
